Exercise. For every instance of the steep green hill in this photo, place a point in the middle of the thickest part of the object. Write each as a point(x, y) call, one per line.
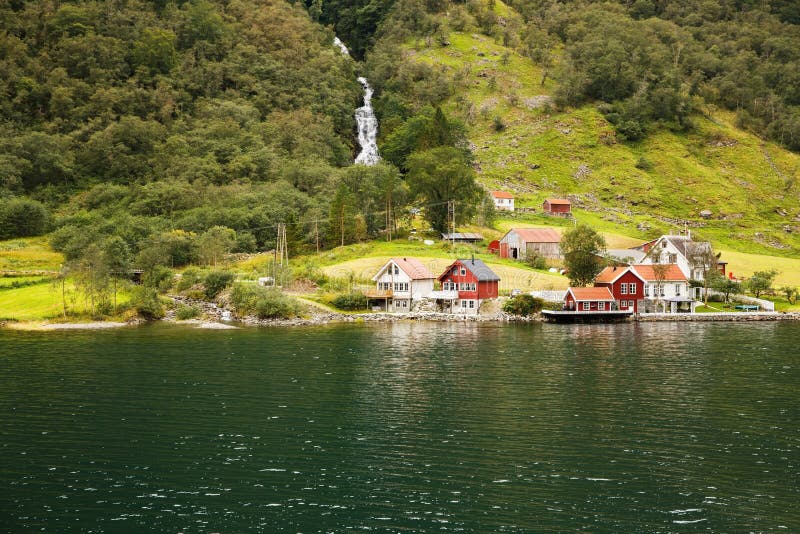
point(521, 144)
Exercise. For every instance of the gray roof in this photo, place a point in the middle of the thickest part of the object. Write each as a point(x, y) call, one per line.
point(462, 236)
point(481, 271)
point(620, 254)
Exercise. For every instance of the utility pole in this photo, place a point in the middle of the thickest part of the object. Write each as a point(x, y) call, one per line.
point(282, 250)
point(451, 214)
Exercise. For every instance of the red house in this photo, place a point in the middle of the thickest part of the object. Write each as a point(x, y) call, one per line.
point(465, 283)
point(588, 299)
point(557, 206)
point(625, 284)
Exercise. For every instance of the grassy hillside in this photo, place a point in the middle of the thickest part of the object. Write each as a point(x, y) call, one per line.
point(636, 189)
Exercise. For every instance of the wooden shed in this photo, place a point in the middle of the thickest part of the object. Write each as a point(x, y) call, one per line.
point(523, 243)
point(557, 206)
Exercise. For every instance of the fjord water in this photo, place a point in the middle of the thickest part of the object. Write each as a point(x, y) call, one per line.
point(402, 427)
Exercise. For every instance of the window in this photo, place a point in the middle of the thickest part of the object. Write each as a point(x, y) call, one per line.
point(601, 306)
point(632, 289)
point(585, 306)
point(646, 291)
point(464, 304)
point(463, 272)
point(623, 304)
point(673, 258)
point(677, 290)
point(472, 304)
point(623, 289)
point(396, 270)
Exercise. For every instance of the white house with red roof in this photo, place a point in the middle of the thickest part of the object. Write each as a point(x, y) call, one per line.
point(666, 287)
point(522, 243)
point(502, 200)
point(400, 283)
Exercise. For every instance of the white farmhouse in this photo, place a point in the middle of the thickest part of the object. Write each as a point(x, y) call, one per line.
point(666, 288)
point(503, 200)
point(694, 258)
point(400, 283)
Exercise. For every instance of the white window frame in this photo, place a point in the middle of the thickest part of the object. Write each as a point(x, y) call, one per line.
point(585, 305)
point(632, 288)
point(623, 289)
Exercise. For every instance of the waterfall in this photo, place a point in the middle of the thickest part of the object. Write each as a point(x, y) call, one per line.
point(366, 121)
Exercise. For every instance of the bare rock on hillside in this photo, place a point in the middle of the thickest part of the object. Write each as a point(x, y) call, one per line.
point(706, 214)
point(582, 172)
point(537, 102)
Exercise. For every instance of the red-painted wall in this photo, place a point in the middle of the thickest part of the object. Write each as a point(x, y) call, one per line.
point(483, 290)
point(616, 290)
point(556, 208)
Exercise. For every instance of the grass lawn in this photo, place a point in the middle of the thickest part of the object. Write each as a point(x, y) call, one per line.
point(29, 255)
point(42, 302)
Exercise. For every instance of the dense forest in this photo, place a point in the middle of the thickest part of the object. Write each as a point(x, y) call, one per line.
point(145, 125)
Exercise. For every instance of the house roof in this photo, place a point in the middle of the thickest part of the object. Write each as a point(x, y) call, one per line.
point(463, 236)
point(480, 270)
point(673, 273)
point(581, 294)
point(411, 266)
point(609, 275)
point(620, 254)
point(501, 194)
point(558, 201)
point(537, 235)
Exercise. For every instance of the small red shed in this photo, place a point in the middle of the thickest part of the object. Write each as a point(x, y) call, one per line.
point(625, 284)
point(588, 299)
point(557, 206)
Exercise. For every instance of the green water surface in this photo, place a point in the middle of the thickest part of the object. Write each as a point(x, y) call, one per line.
point(402, 427)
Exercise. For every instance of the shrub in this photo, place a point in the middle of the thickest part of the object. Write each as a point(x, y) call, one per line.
point(160, 278)
point(498, 124)
point(190, 277)
point(146, 303)
point(266, 303)
point(273, 304)
point(22, 217)
point(644, 164)
point(187, 312)
point(523, 305)
point(537, 262)
point(216, 281)
point(350, 301)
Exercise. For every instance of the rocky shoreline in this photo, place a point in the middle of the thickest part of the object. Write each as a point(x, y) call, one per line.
point(217, 318)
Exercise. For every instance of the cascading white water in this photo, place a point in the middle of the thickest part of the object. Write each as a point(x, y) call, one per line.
point(365, 120)
point(367, 128)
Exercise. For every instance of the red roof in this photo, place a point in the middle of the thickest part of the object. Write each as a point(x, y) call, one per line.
point(672, 274)
point(558, 201)
point(537, 235)
point(501, 194)
point(581, 294)
point(610, 274)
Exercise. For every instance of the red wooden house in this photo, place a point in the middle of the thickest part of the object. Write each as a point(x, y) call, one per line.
point(588, 299)
point(625, 284)
point(557, 206)
point(465, 283)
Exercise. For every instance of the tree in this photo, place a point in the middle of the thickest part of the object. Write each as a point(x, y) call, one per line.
point(215, 243)
point(118, 260)
point(761, 282)
point(660, 272)
point(790, 293)
point(581, 246)
point(725, 285)
point(440, 175)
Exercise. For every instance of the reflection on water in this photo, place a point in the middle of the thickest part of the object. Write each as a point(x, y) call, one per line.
point(403, 426)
